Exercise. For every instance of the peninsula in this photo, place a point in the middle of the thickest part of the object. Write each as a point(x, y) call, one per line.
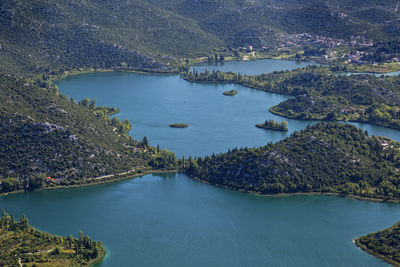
point(327, 158)
point(383, 244)
point(23, 245)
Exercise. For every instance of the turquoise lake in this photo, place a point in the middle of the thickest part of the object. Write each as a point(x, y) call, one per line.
point(172, 220)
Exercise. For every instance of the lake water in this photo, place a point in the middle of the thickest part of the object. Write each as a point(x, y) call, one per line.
point(172, 220)
point(217, 122)
point(252, 67)
point(152, 102)
point(175, 221)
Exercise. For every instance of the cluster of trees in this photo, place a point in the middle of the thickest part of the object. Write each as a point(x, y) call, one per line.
point(100, 111)
point(32, 182)
point(384, 244)
point(273, 125)
point(164, 160)
point(18, 240)
point(327, 157)
point(321, 94)
point(122, 127)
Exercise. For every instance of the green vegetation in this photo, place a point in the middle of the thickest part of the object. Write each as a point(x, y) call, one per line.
point(21, 244)
point(273, 125)
point(324, 158)
point(48, 140)
point(49, 36)
point(230, 93)
point(383, 244)
point(258, 23)
point(179, 125)
point(382, 68)
point(321, 94)
point(383, 51)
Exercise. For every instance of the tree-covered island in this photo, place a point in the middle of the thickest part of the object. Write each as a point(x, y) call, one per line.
point(273, 125)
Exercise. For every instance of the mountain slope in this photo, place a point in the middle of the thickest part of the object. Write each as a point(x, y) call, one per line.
point(45, 133)
point(41, 35)
point(51, 34)
point(261, 22)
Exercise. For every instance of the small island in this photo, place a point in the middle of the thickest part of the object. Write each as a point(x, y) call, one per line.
point(230, 93)
point(179, 125)
point(273, 125)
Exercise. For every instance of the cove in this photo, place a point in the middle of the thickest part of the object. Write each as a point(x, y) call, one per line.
point(172, 220)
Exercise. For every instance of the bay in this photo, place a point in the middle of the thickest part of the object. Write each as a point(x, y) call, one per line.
point(172, 220)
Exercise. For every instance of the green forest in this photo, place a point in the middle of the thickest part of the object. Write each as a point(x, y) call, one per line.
point(325, 158)
point(21, 244)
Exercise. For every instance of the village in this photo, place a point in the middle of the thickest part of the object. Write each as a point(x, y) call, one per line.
point(327, 49)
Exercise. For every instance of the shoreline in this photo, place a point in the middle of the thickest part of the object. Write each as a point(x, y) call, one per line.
point(373, 253)
point(99, 259)
point(273, 111)
point(253, 58)
point(97, 181)
point(354, 68)
point(127, 176)
point(332, 194)
point(66, 74)
point(262, 126)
